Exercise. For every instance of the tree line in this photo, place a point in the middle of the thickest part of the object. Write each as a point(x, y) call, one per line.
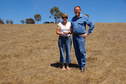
point(55, 12)
point(37, 18)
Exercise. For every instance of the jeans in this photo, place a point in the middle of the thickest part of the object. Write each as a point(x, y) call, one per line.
point(80, 50)
point(64, 44)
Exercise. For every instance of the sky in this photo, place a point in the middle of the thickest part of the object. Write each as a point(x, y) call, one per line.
point(99, 10)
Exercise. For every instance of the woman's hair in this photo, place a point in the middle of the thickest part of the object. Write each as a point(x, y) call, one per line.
point(64, 16)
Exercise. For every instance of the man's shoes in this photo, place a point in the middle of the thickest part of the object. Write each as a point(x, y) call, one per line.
point(82, 69)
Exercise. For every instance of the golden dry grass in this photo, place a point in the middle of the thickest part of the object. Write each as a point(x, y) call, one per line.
point(28, 51)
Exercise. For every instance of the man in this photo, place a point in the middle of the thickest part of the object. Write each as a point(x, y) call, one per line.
point(79, 32)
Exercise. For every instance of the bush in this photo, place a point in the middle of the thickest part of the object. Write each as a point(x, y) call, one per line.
point(30, 21)
point(1, 21)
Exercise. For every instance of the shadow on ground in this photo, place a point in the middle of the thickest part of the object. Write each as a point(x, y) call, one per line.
point(58, 65)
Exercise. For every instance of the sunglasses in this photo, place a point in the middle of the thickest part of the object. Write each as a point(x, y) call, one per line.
point(65, 17)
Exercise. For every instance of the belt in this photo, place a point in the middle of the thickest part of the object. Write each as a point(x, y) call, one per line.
point(64, 36)
point(77, 34)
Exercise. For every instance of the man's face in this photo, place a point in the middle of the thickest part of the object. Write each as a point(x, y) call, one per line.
point(77, 11)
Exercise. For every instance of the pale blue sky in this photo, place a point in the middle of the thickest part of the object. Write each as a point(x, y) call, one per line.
point(99, 10)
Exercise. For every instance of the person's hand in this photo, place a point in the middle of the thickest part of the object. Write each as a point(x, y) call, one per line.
point(84, 35)
point(66, 32)
point(62, 33)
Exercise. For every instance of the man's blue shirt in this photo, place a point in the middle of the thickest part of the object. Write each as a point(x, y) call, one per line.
point(79, 25)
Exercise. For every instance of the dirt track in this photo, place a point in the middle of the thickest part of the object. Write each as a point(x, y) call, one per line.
point(29, 55)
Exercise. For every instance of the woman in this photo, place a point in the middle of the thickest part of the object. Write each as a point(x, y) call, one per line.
point(64, 42)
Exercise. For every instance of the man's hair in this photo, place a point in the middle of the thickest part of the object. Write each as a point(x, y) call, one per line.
point(77, 6)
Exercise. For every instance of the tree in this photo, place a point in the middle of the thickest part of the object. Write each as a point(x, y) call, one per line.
point(30, 21)
point(56, 13)
point(87, 15)
point(37, 17)
point(1, 21)
point(9, 22)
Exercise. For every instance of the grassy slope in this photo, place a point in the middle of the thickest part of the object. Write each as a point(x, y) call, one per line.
point(28, 51)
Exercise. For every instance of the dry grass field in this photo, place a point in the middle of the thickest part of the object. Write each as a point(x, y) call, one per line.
point(29, 55)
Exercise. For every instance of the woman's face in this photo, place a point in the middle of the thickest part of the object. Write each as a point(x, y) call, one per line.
point(64, 19)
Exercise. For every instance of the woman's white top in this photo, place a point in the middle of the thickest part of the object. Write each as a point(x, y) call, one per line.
point(65, 28)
